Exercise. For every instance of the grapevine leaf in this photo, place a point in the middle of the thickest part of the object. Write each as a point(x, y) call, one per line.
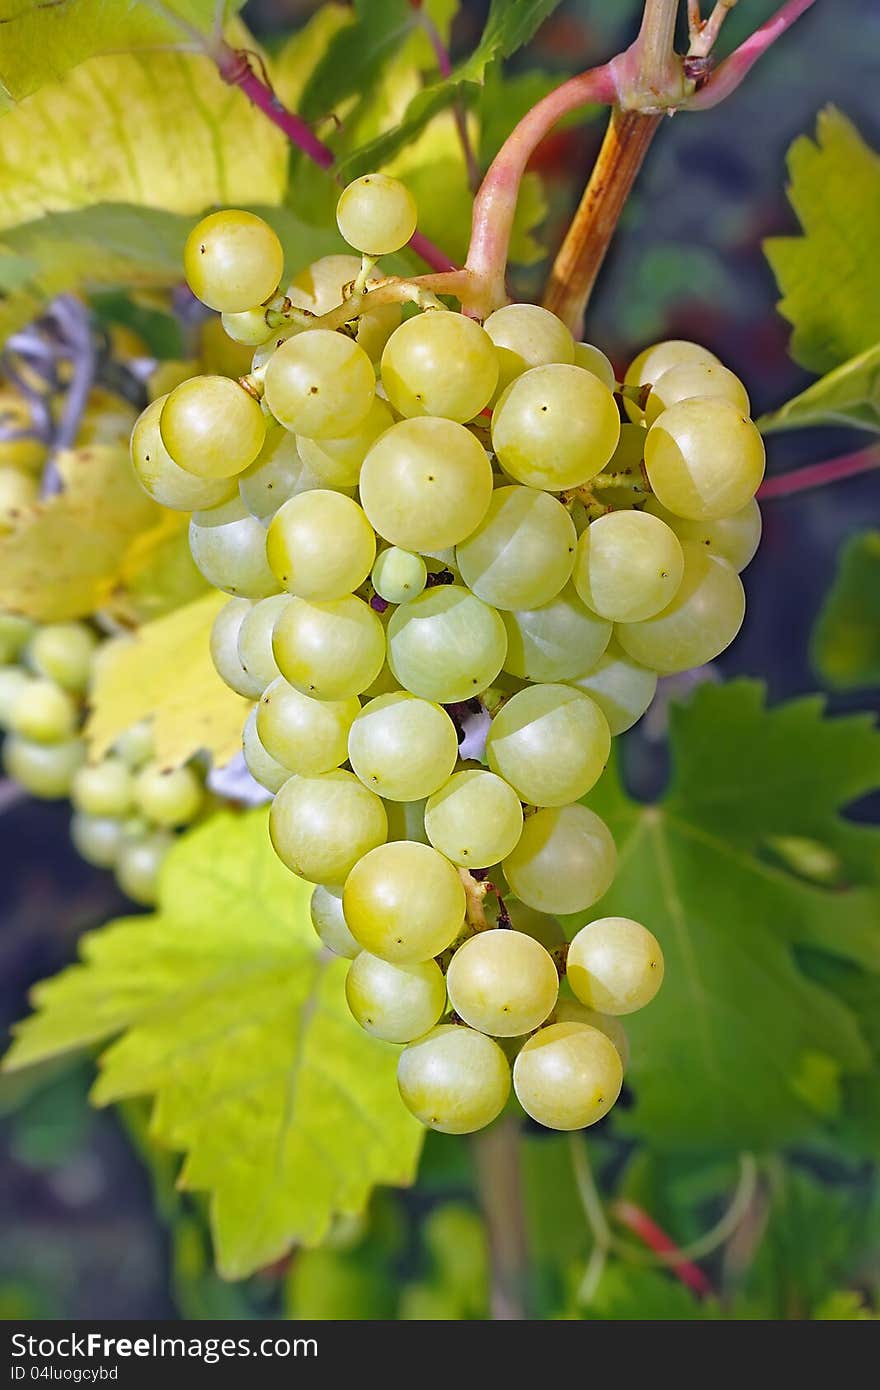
point(627, 1293)
point(158, 573)
point(741, 1048)
point(845, 647)
point(850, 395)
point(294, 64)
point(225, 1008)
point(830, 288)
point(65, 554)
point(165, 671)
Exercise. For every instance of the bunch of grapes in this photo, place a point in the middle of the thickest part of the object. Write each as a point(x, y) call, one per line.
point(126, 807)
point(458, 555)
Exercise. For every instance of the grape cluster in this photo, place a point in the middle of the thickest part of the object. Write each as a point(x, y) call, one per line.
point(126, 807)
point(458, 555)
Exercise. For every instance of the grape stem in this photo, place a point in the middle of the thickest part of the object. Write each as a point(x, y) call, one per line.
point(499, 1181)
point(656, 1239)
point(819, 474)
point(474, 893)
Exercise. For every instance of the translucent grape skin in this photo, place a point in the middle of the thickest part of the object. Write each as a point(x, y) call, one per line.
point(567, 1076)
point(328, 919)
point(255, 640)
point(521, 554)
point(306, 735)
point(164, 480)
point(440, 363)
point(454, 1079)
point(224, 649)
point(593, 359)
point(426, 484)
point(276, 475)
point(331, 650)
point(212, 427)
point(168, 797)
point(320, 384)
point(44, 712)
point(564, 861)
point(103, 789)
point(550, 743)
point(615, 965)
point(404, 902)
point(629, 565)
point(621, 688)
point(264, 769)
point(446, 645)
point(97, 839)
point(136, 745)
point(139, 865)
point(394, 1002)
point(320, 545)
point(559, 640)
point(337, 462)
point(653, 361)
point(376, 214)
point(702, 620)
point(63, 652)
point(399, 575)
point(573, 1011)
point(555, 427)
point(502, 982)
point(704, 458)
point(321, 827)
point(475, 819)
point(402, 747)
point(691, 379)
point(734, 538)
point(46, 770)
point(525, 335)
point(228, 546)
point(232, 260)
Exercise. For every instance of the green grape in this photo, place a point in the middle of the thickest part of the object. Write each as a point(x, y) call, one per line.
point(653, 361)
point(337, 462)
point(395, 1002)
point(567, 1076)
point(136, 745)
point(320, 545)
point(440, 363)
point(734, 538)
point(224, 649)
point(278, 474)
point(14, 681)
point(402, 747)
point(321, 827)
point(228, 546)
point(164, 480)
point(15, 633)
point(621, 688)
point(329, 922)
point(690, 379)
point(212, 427)
point(454, 1079)
point(564, 861)
point(309, 736)
point(320, 384)
point(248, 326)
point(264, 769)
point(559, 640)
point(44, 712)
point(522, 552)
point(404, 902)
point(139, 865)
point(446, 645)
point(704, 459)
point(399, 575)
point(502, 982)
point(255, 640)
point(573, 1011)
point(168, 796)
point(700, 622)
point(615, 965)
point(551, 743)
point(331, 650)
point(593, 359)
point(97, 839)
point(63, 652)
point(525, 335)
point(44, 769)
point(232, 260)
point(18, 491)
point(103, 789)
point(475, 819)
point(628, 566)
point(406, 820)
point(426, 484)
point(555, 427)
point(323, 285)
point(376, 214)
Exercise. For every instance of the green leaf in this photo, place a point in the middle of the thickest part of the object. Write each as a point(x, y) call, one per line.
point(631, 1293)
point(845, 647)
point(226, 1010)
point(828, 276)
point(741, 1049)
point(850, 395)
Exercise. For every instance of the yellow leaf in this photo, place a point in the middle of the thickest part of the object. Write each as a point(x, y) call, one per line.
point(158, 573)
point(165, 671)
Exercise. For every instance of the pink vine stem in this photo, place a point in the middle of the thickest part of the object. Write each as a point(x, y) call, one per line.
point(818, 474)
point(731, 72)
point(656, 1239)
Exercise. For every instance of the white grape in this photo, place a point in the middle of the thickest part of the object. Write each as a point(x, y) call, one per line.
point(502, 982)
point(454, 1080)
point(564, 861)
point(394, 1002)
point(402, 747)
point(228, 546)
point(320, 384)
point(440, 363)
point(306, 735)
point(404, 902)
point(255, 639)
point(475, 819)
point(376, 214)
point(331, 650)
point(628, 566)
point(560, 639)
point(446, 645)
point(522, 552)
point(555, 427)
point(615, 965)
point(702, 620)
point(322, 826)
point(551, 743)
point(621, 688)
point(704, 458)
point(567, 1076)
point(399, 575)
point(320, 545)
point(264, 769)
point(328, 919)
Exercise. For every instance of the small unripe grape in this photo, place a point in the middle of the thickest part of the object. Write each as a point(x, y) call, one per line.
point(139, 865)
point(593, 359)
point(320, 384)
point(320, 545)
point(103, 789)
point(44, 712)
point(63, 652)
point(551, 743)
point(255, 639)
point(163, 479)
point(559, 640)
point(309, 736)
point(249, 326)
point(573, 1011)
point(404, 902)
point(475, 819)
point(322, 826)
point(615, 965)
point(228, 546)
point(733, 538)
point(628, 566)
point(232, 260)
point(44, 769)
point(555, 427)
point(394, 1002)
point(136, 745)
point(376, 214)
point(440, 363)
point(168, 797)
point(13, 683)
point(704, 458)
point(401, 747)
point(567, 1076)
point(212, 427)
point(621, 688)
point(337, 462)
point(331, 650)
point(399, 575)
point(700, 622)
point(328, 919)
point(454, 1079)
point(502, 982)
point(446, 645)
point(97, 839)
point(264, 769)
point(522, 552)
point(691, 379)
point(564, 861)
point(15, 632)
point(224, 649)
point(525, 335)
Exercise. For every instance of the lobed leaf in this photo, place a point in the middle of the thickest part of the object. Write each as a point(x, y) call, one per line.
point(845, 646)
point(848, 396)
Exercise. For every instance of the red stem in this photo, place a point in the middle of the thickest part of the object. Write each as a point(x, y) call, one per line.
point(818, 474)
point(731, 72)
point(656, 1239)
